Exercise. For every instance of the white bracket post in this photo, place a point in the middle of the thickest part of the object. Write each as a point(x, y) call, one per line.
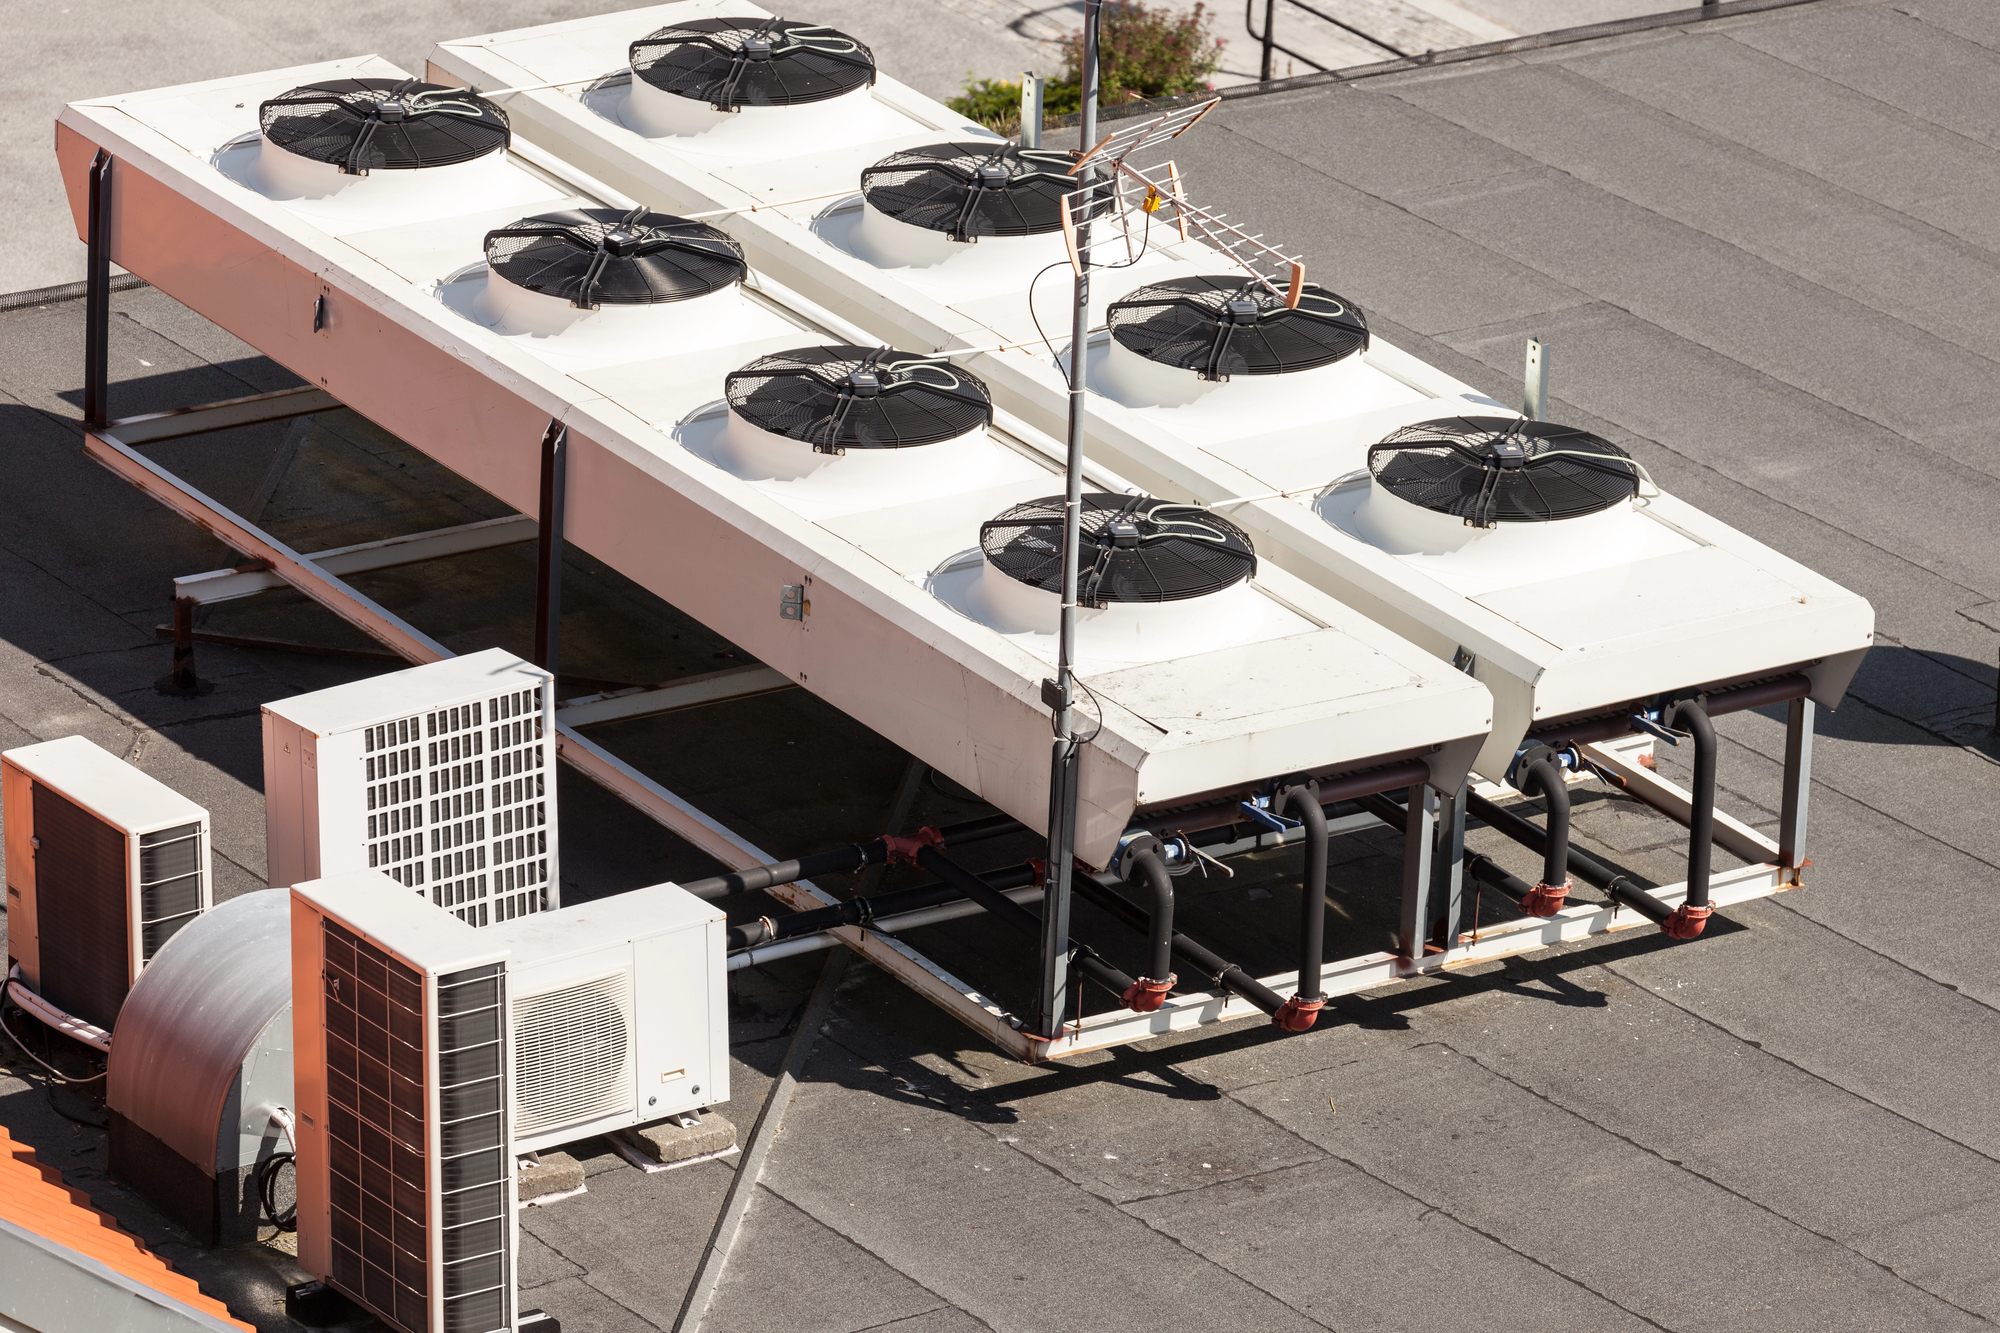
point(1535, 395)
point(1031, 110)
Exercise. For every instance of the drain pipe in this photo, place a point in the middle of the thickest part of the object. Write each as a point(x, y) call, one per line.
point(1540, 768)
point(1301, 1011)
point(1003, 908)
point(1142, 863)
point(1692, 915)
point(1587, 868)
point(1219, 970)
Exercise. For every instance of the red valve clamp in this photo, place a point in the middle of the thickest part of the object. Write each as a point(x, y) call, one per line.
point(1546, 899)
point(1298, 1014)
point(1686, 922)
point(905, 849)
point(1145, 995)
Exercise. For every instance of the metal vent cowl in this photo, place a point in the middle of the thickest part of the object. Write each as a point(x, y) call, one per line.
point(1230, 325)
point(1134, 549)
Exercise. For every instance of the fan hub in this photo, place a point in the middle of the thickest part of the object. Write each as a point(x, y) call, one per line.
point(864, 384)
point(620, 243)
point(757, 48)
point(1510, 453)
point(1240, 311)
point(1120, 532)
point(391, 111)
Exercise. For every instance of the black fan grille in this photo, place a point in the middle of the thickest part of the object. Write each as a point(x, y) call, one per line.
point(969, 190)
point(1134, 549)
point(362, 125)
point(607, 256)
point(841, 398)
point(1489, 470)
point(1223, 326)
point(739, 62)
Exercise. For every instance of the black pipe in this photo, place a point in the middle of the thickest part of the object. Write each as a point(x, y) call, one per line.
point(861, 911)
point(1477, 864)
point(1149, 992)
point(1688, 920)
point(1225, 974)
point(1540, 769)
point(97, 296)
point(1003, 908)
point(1585, 867)
point(839, 861)
point(1302, 1010)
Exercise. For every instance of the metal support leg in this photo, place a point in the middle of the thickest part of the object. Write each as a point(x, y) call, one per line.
point(181, 680)
point(1264, 69)
point(1419, 868)
point(1798, 788)
point(1050, 996)
point(97, 295)
point(1449, 870)
point(548, 563)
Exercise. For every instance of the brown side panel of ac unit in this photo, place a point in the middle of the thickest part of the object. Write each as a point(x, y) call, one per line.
point(83, 911)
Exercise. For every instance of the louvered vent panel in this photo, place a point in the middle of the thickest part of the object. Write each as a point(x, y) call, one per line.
point(169, 885)
point(376, 1145)
point(394, 761)
point(474, 1150)
point(573, 1054)
point(83, 913)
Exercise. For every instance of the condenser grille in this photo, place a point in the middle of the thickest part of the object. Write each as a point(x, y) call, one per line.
point(573, 1054)
point(376, 1144)
point(83, 915)
point(474, 1150)
point(169, 885)
point(394, 761)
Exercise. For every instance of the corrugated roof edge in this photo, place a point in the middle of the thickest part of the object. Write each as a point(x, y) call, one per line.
point(1530, 42)
point(76, 1268)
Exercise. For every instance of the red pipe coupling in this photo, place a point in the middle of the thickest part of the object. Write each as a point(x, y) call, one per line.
point(1547, 899)
point(905, 850)
point(1686, 921)
point(1145, 995)
point(1298, 1014)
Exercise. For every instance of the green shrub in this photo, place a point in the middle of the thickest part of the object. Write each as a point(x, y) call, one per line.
point(1142, 53)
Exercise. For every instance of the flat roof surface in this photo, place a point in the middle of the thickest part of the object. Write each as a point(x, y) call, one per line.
point(1763, 252)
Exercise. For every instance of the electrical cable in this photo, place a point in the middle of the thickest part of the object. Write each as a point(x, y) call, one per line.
point(267, 1190)
point(53, 1072)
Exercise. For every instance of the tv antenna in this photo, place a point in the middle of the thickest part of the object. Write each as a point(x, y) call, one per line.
point(1126, 195)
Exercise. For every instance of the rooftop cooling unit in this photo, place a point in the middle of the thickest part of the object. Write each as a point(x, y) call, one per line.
point(104, 865)
point(495, 1043)
point(923, 205)
point(440, 776)
point(689, 77)
point(1479, 472)
point(200, 1060)
point(375, 141)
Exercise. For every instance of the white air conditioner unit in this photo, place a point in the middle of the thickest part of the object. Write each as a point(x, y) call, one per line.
point(104, 864)
point(441, 777)
point(541, 1031)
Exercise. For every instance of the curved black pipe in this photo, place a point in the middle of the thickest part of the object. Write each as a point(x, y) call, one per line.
point(1545, 773)
point(1690, 714)
point(1312, 905)
point(1152, 876)
point(1585, 867)
point(1003, 908)
point(1224, 973)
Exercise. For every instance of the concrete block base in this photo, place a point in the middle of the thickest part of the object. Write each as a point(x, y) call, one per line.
point(556, 1175)
point(666, 1144)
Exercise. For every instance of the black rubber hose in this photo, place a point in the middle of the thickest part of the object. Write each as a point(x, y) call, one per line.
point(1312, 904)
point(1003, 908)
point(267, 1191)
point(1690, 714)
point(1152, 876)
point(1584, 867)
point(1544, 773)
point(1225, 974)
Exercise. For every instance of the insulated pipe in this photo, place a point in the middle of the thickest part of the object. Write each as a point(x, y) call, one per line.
point(1216, 808)
point(1225, 974)
point(1149, 992)
point(1688, 920)
point(841, 860)
point(1583, 731)
point(1302, 1010)
point(1003, 908)
point(1541, 770)
point(1584, 867)
point(864, 911)
point(1477, 864)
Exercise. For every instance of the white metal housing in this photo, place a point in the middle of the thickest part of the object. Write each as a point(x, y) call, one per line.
point(1677, 599)
point(380, 313)
point(441, 776)
point(104, 864)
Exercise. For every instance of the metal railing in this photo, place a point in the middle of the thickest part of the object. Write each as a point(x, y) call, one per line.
point(1270, 46)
